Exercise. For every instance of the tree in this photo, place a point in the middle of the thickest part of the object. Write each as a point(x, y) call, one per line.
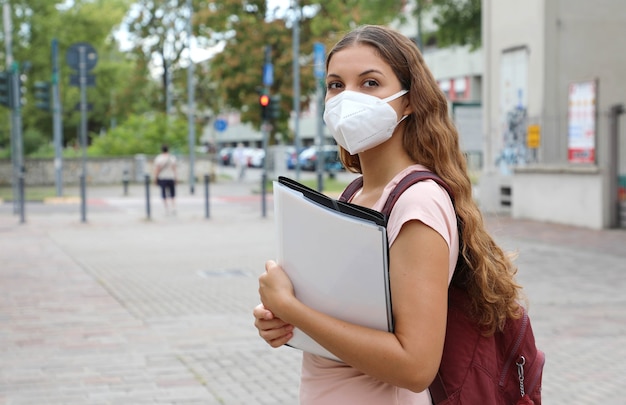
point(36, 23)
point(458, 22)
point(245, 30)
point(142, 134)
point(157, 30)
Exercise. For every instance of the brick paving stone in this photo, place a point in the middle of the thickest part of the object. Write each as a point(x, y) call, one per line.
point(121, 310)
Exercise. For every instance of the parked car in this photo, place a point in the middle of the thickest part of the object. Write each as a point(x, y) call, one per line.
point(226, 156)
point(291, 156)
point(308, 158)
point(256, 157)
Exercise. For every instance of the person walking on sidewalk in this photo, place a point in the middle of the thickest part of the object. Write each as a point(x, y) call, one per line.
point(165, 178)
point(387, 113)
point(241, 162)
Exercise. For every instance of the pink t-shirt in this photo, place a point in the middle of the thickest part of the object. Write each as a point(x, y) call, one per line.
point(326, 382)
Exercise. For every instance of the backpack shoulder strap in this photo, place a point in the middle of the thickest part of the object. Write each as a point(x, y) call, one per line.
point(351, 189)
point(408, 181)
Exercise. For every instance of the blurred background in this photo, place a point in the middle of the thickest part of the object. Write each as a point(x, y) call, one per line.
point(92, 88)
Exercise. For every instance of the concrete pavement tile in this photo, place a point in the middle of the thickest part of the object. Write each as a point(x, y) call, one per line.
point(128, 311)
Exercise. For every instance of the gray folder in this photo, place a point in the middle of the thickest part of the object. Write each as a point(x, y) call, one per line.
point(336, 255)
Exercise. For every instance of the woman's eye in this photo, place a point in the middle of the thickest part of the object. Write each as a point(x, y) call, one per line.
point(370, 83)
point(333, 85)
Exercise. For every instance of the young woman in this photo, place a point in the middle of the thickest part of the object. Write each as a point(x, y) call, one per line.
point(389, 117)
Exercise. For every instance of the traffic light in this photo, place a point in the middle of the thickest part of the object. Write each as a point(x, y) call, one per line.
point(6, 97)
point(23, 78)
point(264, 101)
point(42, 95)
point(274, 107)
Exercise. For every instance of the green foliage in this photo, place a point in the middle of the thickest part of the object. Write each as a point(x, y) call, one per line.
point(142, 134)
point(118, 91)
point(157, 30)
point(458, 21)
point(237, 71)
point(32, 140)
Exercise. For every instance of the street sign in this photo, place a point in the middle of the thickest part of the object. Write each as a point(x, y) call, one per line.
point(73, 56)
point(268, 74)
point(88, 107)
point(90, 80)
point(533, 137)
point(220, 125)
point(318, 60)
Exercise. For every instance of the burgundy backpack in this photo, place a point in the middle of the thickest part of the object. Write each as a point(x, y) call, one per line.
point(503, 368)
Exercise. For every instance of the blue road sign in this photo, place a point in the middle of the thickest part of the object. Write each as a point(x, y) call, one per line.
point(90, 80)
point(319, 58)
point(268, 74)
point(220, 125)
point(73, 56)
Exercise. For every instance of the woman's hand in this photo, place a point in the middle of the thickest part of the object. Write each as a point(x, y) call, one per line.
point(273, 330)
point(275, 289)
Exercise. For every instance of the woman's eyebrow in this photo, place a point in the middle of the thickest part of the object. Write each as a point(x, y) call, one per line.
point(365, 73)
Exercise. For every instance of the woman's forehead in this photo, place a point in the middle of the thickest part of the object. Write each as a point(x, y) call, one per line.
point(358, 57)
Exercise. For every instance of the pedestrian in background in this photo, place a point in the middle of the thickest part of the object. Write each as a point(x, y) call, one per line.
point(387, 113)
point(241, 162)
point(165, 178)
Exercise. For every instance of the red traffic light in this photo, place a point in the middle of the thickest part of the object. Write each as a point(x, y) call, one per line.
point(264, 100)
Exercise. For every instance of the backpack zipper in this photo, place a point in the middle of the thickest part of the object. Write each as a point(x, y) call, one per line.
point(513, 354)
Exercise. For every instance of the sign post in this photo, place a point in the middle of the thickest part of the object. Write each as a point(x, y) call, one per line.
point(83, 57)
point(319, 71)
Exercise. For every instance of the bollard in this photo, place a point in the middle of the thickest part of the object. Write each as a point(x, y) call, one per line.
point(206, 196)
point(22, 196)
point(263, 191)
point(125, 180)
point(83, 198)
point(147, 181)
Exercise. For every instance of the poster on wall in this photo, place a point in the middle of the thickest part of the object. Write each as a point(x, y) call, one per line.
point(581, 122)
point(513, 110)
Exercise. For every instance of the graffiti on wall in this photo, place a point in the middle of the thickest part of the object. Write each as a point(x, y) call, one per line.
point(513, 109)
point(514, 151)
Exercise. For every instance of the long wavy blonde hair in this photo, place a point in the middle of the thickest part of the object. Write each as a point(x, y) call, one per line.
point(431, 139)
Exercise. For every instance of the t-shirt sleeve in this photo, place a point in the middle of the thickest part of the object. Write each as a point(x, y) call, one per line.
point(429, 203)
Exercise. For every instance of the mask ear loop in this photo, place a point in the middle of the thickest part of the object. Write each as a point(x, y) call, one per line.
point(395, 96)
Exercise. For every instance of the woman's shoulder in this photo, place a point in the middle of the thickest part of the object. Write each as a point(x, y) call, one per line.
point(420, 192)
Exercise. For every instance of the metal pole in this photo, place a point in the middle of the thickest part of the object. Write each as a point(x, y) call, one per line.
point(418, 18)
point(21, 198)
point(190, 102)
point(83, 130)
point(8, 38)
point(614, 206)
point(265, 131)
point(296, 81)
point(147, 183)
point(320, 138)
point(17, 130)
point(56, 121)
point(206, 196)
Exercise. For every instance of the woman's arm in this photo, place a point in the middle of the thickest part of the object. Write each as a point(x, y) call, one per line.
point(410, 356)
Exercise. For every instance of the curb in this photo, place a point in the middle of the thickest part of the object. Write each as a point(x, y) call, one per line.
point(61, 200)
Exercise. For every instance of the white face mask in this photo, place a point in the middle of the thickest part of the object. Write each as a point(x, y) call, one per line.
point(359, 122)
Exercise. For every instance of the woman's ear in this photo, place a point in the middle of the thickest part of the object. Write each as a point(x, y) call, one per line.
point(407, 108)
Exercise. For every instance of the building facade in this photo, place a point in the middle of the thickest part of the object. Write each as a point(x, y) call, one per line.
point(553, 93)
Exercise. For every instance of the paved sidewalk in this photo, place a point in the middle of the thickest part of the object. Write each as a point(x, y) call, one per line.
point(124, 310)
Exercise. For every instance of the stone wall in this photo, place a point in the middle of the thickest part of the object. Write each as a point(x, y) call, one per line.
point(41, 172)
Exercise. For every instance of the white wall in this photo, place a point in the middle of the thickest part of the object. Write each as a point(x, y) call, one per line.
point(567, 196)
